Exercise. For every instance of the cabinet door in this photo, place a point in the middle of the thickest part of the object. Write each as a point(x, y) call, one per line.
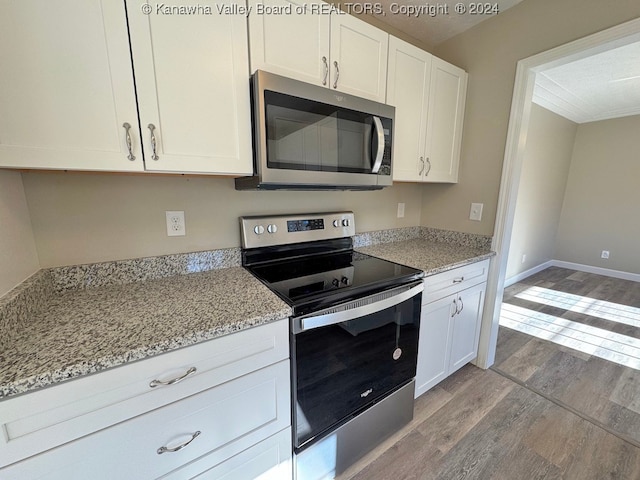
point(192, 80)
point(434, 344)
point(66, 86)
point(444, 126)
point(358, 58)
point(466, 326)
point(292, 45)
point(409, 75)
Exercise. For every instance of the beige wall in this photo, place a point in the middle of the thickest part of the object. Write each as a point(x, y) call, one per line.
point(602, 197)
point(489, 52)
point(18, 257)
point(83, 218)
point(545, 169)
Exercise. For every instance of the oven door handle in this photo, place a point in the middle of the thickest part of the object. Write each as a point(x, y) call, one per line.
point(320, 319)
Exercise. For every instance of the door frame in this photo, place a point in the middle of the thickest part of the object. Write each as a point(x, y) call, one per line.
point(526, 70)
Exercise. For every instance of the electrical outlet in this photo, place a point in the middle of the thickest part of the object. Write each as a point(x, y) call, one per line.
point(524, 258)
point(401, 210)
point(175, 224)
point(604, 254)
point(476, 211)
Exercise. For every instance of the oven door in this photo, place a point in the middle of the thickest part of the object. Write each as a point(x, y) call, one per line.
point(347, 358)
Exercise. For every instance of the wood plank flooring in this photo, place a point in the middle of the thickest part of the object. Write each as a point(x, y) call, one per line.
point(544, 411)
point(595, 381)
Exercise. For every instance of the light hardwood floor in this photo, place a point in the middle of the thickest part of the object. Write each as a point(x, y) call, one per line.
point(544, 411)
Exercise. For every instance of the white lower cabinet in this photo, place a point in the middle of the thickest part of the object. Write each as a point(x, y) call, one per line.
point(238, 427)
point(450, 323)
point(267, 460)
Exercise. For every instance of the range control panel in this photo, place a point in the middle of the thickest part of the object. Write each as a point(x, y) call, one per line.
point(286, 229)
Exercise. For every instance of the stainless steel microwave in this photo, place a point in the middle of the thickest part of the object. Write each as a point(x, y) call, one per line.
point(311, 137)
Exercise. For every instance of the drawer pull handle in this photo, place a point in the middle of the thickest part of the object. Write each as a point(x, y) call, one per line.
point(455, 309)
point(458, 280)
point(162, 450)
point(173, 381)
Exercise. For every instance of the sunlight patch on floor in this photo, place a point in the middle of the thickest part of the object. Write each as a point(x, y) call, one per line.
point(611, 346)
point(614, 312)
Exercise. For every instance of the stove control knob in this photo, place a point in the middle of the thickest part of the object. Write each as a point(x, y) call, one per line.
point(272, 228)
point(344, 280)
point(258, 229)
point(336, 282)
point(336, 223)
point(345, 222)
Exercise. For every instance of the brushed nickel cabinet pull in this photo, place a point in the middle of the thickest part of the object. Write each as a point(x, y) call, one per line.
point(163, 449)
point(458, 280)
point(455, 310)
point(127, 128)
point(421, 166)
point(335, 82)
point(429, 169)
point(173, 381)
point(154, 154)
point(326, 70)
point(461, 305)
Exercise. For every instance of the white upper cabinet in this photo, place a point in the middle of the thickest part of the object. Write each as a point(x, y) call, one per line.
point(192, 79)
point(429, 96)
point(334, 50)
point(408, 91)
point(444, 125)
point(290, 45)
point(66, 86)
point(358, 58)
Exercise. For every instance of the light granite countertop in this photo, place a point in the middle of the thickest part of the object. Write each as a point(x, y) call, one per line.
point(67, 322)
point(79, 332)
point(428, 255)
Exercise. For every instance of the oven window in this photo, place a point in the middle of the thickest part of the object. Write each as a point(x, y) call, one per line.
point(342, 369)
point(306, 135)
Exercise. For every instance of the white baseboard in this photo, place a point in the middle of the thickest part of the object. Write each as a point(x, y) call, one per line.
point(527, 273)
point(634, 277)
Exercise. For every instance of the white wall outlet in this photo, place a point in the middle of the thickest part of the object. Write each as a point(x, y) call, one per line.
point(401, 210)
point(175, 224)
point(476, 211)
point(604, 254)
point(524, 258)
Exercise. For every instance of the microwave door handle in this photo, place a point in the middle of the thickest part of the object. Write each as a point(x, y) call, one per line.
point(377, 125)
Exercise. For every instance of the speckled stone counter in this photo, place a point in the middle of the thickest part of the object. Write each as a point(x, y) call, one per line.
point(78, 332)
point(429, 255)
point(66, 322)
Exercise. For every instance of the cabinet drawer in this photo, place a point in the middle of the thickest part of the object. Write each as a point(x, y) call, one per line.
point(48, 418)
point(230, 418)
point(268, 460)
point(446, 283)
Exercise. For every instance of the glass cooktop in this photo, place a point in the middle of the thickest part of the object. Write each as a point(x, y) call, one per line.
point(318, 281)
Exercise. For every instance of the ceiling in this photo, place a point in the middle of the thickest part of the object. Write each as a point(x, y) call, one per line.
point(599, 87)
point(437, 21)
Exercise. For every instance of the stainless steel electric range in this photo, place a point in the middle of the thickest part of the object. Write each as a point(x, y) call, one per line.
point(354, 334)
